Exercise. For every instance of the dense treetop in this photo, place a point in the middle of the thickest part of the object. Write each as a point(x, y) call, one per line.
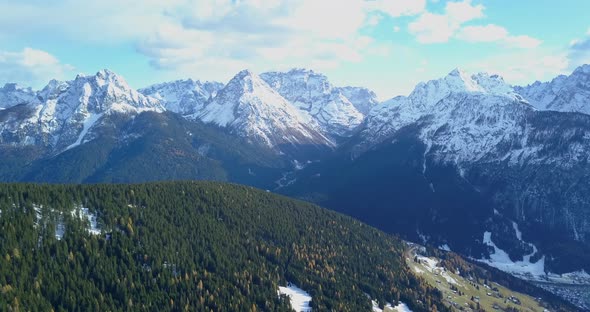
point(191, 246)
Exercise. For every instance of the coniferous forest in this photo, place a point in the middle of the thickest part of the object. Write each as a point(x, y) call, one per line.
point(191, 246)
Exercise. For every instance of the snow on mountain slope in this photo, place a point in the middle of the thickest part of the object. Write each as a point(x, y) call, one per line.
point(185, 97)
point(363, 99)
point(248, 106)
point(88, 123)
point(500, 260)
point(12, 94)
point(300, 300)
point(466, 119)
point(528, 164)
point(65, 112)
point(564, 93)
point(465, 116)
point(312, 93)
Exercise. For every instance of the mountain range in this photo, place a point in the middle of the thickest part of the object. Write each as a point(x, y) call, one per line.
point(465, 162)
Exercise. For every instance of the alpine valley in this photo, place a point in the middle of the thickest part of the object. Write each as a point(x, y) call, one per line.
point(468, 163)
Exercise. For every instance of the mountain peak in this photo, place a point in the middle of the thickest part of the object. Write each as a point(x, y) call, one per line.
point(457, 72)
point(106, 76)
point(247, 81)
point(563, 93)
point(248, 105)
point(106, 73)
point(301, 70)
point(13, 94)
point(244, 73)
point(11, 86)
point(582, 69)
point(185, 96)
point(338, 110)
point(458, 81)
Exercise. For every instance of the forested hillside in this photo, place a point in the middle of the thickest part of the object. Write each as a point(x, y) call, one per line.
point(194, 246)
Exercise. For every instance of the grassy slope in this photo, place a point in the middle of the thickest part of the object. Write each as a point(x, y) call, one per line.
point(488, 297)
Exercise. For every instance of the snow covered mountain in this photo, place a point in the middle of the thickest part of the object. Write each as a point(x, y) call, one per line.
point(12, 94)
point(468, 154)
point(249, 107)
point(363, 99)
point(564, 93)
point(500, 143)
point(185, 97)
point(464, 116)
point(338, 111)
point(63, 113)
point(462, 145)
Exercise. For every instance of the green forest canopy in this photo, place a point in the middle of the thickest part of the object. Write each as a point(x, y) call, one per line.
point(192, 246)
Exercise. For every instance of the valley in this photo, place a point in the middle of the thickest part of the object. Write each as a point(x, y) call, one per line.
point(295, 155)
point(462, 145)
point(468, 293)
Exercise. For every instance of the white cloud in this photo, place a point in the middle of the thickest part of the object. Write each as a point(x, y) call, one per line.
point(579, 51)
point(261, 35)
point(396, 8)
point(374, 19)
point(495, 33)
point(524, 66)
point(396, 29)
point(310, 16)
point(524, 42)
point(182, 36)
point(422, 67)
point(103, 21)
point(437, 28)
point(31, 67)
point(432, 28)
point(463, 11)
point(488, 33)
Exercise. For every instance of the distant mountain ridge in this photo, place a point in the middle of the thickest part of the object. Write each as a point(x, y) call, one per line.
point(185, 97)
point(337, 110)
point(62, 114)
point(466, 152)
point(564, 93)
point(249, 107)
point(12, 94)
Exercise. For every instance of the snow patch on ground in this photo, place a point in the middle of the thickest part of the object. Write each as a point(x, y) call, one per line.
point(526, 269)
point(300, 300)
point(88, 123)
point(376, 306)
point(38, 214)
point(85, 214)
point(517, 231)
point(432, 265)
point(401, 307)
point(60, 229)
point(572, 278)
point(444, 247)
point(500, 260)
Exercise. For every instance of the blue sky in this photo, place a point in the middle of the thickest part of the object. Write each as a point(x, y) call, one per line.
point(386, 45)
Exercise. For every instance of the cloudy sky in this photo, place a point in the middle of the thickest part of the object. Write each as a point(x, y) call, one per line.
point(386, 45)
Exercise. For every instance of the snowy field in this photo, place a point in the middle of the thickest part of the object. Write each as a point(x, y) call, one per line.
point(432, 265)
point(300, 300)
point(526, 269)
point(84, 213)
point(401, 307)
